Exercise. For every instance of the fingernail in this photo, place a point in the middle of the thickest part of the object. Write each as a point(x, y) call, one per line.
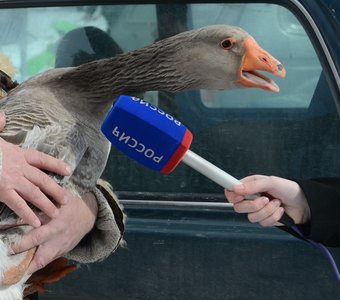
point(36, 223)
point(68, 169)
point(277, 202)
point(265, 200)
point(65, 199)
point(55, 213)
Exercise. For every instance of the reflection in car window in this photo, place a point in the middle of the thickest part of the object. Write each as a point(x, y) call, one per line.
point(291, 133)
point(30, 36)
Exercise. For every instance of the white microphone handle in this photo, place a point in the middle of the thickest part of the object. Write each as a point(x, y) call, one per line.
point(212, 172)
point(222, 178)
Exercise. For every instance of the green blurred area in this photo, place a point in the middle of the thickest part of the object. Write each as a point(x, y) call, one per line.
point(46, 59)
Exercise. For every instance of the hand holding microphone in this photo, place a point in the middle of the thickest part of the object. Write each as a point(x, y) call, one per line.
point(267, 212)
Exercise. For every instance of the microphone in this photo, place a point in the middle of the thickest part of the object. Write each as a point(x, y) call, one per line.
point(160, 142)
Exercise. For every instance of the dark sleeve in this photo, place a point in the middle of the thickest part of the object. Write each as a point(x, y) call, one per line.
point(323, 197)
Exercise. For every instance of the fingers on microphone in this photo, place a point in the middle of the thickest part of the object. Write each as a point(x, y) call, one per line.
point(268, 215)
point(251, 206)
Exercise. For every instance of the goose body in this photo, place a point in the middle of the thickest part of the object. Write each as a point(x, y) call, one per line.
point(61, 110)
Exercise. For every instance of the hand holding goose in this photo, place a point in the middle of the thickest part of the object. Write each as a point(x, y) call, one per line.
point(21, 179)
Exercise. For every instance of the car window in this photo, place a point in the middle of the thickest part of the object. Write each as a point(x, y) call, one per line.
point(291, 133)
point(30, 36)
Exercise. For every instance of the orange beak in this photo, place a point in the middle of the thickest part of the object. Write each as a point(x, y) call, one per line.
point(255, 59)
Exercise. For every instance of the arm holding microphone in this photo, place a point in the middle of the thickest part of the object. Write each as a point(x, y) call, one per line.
point(313, 204)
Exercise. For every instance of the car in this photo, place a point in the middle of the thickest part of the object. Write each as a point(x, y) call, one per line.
point(183, 239)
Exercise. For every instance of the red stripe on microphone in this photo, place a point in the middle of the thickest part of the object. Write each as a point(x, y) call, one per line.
point(177, 157)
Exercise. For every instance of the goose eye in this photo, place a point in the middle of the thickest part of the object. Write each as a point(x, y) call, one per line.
point(227, 44)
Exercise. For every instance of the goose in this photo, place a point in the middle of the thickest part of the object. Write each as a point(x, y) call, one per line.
point(60, 111)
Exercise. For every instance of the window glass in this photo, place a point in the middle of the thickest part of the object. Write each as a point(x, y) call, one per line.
point(30, 36)
point(292, 133)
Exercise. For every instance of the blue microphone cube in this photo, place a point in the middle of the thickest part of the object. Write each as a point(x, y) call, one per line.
point(146, 134)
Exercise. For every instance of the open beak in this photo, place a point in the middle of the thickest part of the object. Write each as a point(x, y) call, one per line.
point(256, 59)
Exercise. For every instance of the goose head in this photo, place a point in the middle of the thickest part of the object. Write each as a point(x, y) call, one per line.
point(223, 57)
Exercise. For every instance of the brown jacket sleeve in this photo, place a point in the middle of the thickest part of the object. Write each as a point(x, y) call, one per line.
point(107, 233)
